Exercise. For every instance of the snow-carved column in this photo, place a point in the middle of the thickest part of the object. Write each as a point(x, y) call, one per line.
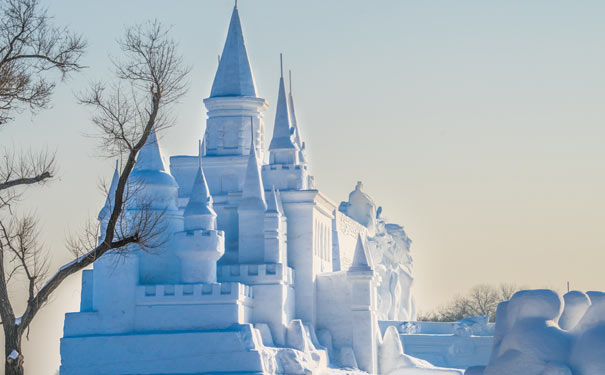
point(362, 282)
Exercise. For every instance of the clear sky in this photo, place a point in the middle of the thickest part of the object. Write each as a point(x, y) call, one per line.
point(478, 125)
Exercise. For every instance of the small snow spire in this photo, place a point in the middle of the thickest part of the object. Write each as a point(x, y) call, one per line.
point(199, 213)
point(234, 75)
point(362, 261)
point(150, 156)
point(273, 205)
point(296, 132)
point(253, 195)
point(281, 129)
point(199, 154)
point(111, 194)
point(281, 64)
point(252, 137)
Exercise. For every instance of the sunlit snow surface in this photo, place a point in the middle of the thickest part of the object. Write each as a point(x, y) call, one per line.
point(538, 332)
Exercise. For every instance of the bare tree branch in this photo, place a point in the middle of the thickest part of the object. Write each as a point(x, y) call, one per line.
point(31, 47)
point(150, 76)
point(482, 299)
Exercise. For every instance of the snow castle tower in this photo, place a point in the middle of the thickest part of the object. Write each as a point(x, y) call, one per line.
point(200, 245)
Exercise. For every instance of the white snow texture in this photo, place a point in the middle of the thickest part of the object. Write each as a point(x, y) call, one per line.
point(540, 333)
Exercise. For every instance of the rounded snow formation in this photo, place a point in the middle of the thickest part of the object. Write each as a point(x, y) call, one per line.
point(533, 337)
point(576, 304)
point(541, 303)
point(595, 296)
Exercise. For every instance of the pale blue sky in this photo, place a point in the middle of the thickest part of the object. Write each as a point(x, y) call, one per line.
point(478, 125)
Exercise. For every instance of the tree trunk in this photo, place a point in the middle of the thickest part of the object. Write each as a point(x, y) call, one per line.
point(13, 360)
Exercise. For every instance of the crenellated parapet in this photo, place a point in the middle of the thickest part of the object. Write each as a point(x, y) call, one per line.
point(286, 176)
point(252, 274)
point(193, 293)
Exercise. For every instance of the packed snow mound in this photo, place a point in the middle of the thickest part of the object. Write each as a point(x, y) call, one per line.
point(540, 333)
point(393, 360)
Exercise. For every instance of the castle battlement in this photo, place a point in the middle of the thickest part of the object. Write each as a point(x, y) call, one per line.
point(193, 293)
point(197, 233)
point(256, 273)
point(274, 167)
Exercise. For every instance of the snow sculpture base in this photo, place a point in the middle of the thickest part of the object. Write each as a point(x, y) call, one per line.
point(234, 350)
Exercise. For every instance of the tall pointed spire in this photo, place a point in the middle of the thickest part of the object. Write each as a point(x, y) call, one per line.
point(111, 194)
point(199, 213)
point(253, 195)
point(234, 76)
point(281, 130)
point(297, 139)
point(150, 157)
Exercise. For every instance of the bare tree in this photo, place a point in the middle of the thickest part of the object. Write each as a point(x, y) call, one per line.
point(482, 299)
point(31, 47)
point(150, 76)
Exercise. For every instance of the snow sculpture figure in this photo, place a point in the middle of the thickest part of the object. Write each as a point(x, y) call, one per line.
point(390, 249)
point(361, 208)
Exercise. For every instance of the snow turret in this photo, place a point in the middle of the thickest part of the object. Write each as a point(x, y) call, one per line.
point(275, 229)
point(295, 130)
point(232, 104)
point(253, 195)
point(286, 170)
point(234, 76)
point(199, 213)
point(108, 207)
point(150, 170)
point(282, 149)
point(150, 156)
point(251, 214)
point(364, 302)
point(200, 245)
point(362, 261)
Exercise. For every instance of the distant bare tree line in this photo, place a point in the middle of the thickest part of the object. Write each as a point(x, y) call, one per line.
point(482, 299)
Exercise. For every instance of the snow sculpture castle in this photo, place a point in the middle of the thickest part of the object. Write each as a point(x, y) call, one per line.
point(260, 272)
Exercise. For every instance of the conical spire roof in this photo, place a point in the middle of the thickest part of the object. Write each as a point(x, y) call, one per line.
point(149, 168)
point(281, 130)
point(293, 121)
point(150, 157)
point(105, 211)
point(234, 76)
point(253, 195)
point(200, 200)
point(361, 260)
